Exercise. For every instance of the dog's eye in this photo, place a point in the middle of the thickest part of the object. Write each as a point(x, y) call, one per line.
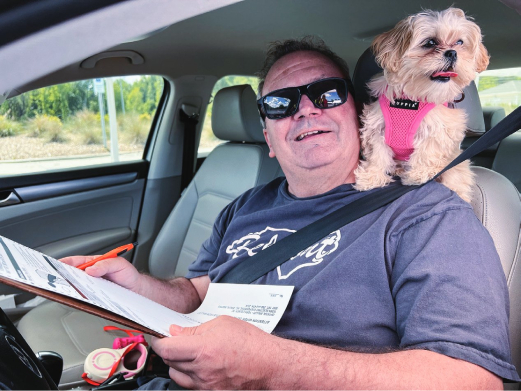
point(459, 42)
point(430, 43)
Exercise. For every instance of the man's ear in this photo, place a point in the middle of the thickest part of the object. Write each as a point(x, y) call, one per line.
point(267, 137)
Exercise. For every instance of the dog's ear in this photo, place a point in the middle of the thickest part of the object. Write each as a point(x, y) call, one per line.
point(482, 58)
point(456, 11)
point(389, 47)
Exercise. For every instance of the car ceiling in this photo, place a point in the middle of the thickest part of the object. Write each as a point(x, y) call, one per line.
point(233, 39)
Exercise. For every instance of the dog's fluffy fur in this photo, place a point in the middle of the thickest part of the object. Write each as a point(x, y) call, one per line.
point(410, 53)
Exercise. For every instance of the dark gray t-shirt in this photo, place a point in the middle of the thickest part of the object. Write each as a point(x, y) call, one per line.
point(421, 273)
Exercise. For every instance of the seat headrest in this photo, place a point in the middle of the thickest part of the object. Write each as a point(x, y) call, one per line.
point(366, 68)
point(235, 116)
point(492, 116)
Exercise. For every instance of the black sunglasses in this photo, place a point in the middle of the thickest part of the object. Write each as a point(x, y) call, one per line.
point(324, 93)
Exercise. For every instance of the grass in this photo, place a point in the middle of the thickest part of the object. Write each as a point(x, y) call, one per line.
point(87, 126)
point(46, 126)
point(134, 128)
point(9, 128)
point(84, 128)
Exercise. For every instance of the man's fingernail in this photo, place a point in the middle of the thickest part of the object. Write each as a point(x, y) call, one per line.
point(175, 328)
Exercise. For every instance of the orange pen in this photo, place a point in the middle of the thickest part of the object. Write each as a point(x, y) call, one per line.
point(111, 254)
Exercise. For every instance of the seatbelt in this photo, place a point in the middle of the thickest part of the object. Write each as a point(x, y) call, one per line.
point(275, 255)
point(189, 115)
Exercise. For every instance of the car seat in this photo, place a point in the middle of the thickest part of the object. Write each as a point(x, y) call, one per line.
point(228, 171)
point(496, 201)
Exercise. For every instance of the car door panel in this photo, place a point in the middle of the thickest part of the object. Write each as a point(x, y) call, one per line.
point(85, 215)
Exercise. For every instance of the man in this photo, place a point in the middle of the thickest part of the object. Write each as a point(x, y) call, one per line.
point(393, 300)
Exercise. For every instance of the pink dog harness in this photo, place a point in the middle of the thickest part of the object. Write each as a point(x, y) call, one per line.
point(402, 119)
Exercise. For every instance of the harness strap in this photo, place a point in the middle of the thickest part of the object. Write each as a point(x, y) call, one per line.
point(402, 120)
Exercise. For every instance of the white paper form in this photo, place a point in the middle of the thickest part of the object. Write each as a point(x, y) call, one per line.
point(260, 305)
point(23, 264)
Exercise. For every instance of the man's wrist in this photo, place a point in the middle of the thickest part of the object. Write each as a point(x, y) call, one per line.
point(284, 356)
point(141, 284)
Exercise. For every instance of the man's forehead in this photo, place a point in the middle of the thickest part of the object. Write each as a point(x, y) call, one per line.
point(299, 68)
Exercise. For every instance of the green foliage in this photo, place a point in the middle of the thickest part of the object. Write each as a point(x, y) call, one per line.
point(65, 100)
point(9, 128)
point(486, 82)
point(134, 128)
point(46, 126)
point(90, 136)
point(72, 110)
point(86, 124)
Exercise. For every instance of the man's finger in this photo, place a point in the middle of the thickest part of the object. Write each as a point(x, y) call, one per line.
point(181, 378)
point(77, 260)
point(180, 348)
point(106, 266)
point(176, 330)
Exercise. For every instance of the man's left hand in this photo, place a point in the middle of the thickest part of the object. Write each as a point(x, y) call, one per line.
point(224, 353)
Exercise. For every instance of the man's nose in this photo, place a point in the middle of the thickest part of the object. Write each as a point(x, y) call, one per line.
point(306, 108)
point(451, 55)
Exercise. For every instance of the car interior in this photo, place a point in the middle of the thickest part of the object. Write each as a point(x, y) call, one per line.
point(93, 208)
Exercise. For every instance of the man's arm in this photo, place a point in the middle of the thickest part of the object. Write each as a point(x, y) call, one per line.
point(229, 353)
point(180, 294)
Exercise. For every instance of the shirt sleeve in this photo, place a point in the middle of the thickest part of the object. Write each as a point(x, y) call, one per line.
point(450, 291)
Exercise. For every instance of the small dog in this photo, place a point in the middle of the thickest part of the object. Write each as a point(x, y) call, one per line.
point(428, 59)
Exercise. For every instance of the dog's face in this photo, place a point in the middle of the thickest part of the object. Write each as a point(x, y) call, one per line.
point(432, 55)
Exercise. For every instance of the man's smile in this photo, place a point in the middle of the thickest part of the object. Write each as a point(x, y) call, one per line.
point(309, 134)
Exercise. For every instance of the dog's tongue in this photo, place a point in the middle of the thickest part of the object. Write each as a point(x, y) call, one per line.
point(445, 74)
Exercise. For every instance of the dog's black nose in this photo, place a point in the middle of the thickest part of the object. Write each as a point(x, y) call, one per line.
point(451, 55)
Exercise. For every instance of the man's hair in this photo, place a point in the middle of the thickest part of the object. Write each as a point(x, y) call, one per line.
point(279, 49)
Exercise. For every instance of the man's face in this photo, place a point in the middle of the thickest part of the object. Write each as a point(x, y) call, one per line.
point(337, 147)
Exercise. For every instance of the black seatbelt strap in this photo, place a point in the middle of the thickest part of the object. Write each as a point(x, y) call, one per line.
point(268, 259)
point(190, 117)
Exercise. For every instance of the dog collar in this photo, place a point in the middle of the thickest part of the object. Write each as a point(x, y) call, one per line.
point(402, 120)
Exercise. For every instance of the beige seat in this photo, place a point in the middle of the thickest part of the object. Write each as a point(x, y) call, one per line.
point(228, 171)
point(497, 204)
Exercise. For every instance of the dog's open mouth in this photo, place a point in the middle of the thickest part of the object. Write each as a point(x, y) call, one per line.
point(444, 76)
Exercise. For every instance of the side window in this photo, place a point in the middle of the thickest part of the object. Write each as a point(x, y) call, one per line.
point(500, 87)
point(82, 123)
point(208, 139)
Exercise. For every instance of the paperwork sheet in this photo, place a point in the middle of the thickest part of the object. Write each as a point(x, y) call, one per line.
point(260, 305)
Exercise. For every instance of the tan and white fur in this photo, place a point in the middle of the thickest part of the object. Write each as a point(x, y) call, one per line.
point(414, 51)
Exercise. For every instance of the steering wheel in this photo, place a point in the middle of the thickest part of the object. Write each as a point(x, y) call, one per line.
point(20, 369)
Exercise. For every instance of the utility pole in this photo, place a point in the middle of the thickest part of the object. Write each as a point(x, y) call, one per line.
point(99, 89)
point(111, 104)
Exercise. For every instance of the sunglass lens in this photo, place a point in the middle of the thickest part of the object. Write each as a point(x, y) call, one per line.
point(328, 93)
point(281, 105)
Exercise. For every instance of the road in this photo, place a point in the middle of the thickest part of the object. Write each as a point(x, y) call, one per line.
point(14, 167)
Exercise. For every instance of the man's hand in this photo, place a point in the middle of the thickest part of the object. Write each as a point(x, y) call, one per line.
point(227, 353)
point(224, 353)
point(180, 294)
point(117, 270)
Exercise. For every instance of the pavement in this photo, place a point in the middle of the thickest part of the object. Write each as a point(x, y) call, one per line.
point(30, 166)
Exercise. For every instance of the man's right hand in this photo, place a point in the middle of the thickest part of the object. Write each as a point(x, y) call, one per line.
point(117, 270)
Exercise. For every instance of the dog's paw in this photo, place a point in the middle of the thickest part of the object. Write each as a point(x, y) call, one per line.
point(415, 177)
point(409, 181)
point(370, 179)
